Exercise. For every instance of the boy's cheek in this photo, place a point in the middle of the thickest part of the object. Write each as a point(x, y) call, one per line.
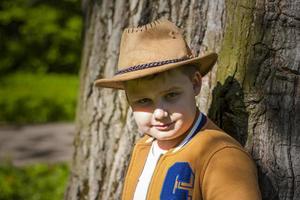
point(143, 121)
point(142, 118)
point(141, 109)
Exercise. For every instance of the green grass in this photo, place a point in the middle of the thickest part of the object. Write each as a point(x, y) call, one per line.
point(34, 182)
point(38, 98)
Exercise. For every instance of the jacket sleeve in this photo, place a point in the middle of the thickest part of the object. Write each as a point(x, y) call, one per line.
point(230, 173)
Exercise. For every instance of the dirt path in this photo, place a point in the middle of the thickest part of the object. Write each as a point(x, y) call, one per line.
point(28, 144)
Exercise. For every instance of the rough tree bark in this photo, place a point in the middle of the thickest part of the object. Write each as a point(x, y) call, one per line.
point(253, 92)
point(257, 98)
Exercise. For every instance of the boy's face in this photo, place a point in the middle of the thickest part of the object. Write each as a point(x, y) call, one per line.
point(164, 106)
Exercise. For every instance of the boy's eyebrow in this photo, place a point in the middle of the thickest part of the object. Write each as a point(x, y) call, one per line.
point(170, 89)
point(135, 96)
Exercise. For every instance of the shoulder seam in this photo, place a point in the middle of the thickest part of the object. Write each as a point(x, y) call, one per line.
point(206, 163)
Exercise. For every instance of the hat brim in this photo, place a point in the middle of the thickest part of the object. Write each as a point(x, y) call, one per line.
point(204, 63)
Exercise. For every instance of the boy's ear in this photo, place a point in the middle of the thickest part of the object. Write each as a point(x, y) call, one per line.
point(125, 91)
point(197, 83)
point(126, 96)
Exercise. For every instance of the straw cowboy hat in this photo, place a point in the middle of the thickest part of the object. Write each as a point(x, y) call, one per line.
point(153, 48)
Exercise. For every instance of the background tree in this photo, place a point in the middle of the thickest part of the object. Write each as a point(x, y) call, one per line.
point(252, 93)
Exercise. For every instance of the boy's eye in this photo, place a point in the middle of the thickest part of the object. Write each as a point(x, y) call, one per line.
point(172, 95)
point(143, 101)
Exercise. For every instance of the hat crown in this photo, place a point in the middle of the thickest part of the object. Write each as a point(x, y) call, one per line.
point(157, 41)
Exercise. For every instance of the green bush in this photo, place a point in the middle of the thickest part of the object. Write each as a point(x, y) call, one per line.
point(40, 36)
point(38, 98)
point(34, 182)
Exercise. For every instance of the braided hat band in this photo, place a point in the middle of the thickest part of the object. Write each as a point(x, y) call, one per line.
point(149, 65)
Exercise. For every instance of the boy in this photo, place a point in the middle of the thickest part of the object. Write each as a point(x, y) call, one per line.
point(183, 154)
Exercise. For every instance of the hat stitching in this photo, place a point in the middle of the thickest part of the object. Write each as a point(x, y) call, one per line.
point(144, 27)
point(150, 65)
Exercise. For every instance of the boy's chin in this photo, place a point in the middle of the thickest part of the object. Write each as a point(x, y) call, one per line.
point(166, 136)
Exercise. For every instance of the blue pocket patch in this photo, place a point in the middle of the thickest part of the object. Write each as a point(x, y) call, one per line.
point(179, 183)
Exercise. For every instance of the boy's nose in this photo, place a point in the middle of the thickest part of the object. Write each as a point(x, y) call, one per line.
point(160, 113)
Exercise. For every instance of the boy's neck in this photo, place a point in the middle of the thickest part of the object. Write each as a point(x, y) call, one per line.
point(168, 144)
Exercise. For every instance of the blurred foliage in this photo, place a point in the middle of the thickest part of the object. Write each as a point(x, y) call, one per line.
point(38, 98)
point(40, 36)
point(33, 182)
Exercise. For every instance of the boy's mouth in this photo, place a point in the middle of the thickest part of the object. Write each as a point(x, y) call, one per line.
point(163, 127)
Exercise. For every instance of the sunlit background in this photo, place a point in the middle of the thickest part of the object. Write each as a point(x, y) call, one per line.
point(40, 48)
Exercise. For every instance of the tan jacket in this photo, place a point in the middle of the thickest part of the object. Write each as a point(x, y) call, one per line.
point(212, 166)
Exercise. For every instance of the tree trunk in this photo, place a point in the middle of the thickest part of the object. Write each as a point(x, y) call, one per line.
point(257, 98)
point(253, 92)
